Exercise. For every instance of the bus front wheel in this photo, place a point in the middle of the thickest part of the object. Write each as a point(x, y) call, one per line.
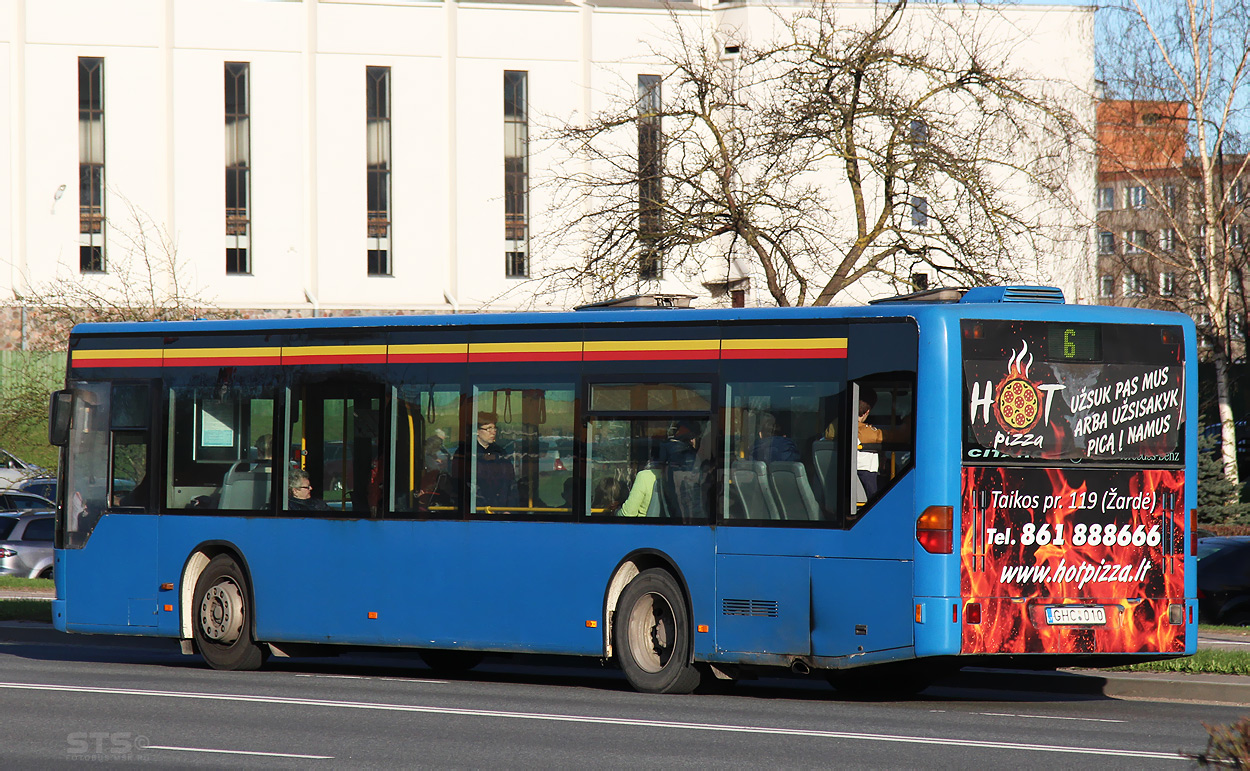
point(223, 625)
point(651, 635)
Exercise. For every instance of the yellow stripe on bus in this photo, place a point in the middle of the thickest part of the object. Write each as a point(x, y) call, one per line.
point(200, 353)
point(804, 344)
point(523, 347)
point(334, 350)
point(652, 345)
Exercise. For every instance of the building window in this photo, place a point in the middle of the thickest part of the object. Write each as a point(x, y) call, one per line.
point(238, 169)
point(1200, 244)
point(919, 211)
point(1167, 240)
point(1106, 285)
point(1236, 327)
point(91, 164)
point(378, 158)
point(1235, 236)
point(1106, 242)
point(1106, 198)
point(920, 281)
point(650, 178)
point(1134, 284)
point(919, 131)
point(1136, 197)
point(1171, 197)
point(1167, 284)
point(516, 173)
point(1135, 242)
point(1237, 194)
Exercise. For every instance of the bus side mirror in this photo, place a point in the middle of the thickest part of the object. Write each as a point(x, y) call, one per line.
point(59, 411)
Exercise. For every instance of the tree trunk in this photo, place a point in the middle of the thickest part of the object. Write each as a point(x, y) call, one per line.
point(1228, 428)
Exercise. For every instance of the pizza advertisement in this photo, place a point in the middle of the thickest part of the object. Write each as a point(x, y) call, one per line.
point(1048, 391)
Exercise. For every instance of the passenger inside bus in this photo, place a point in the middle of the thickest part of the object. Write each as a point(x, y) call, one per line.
point(495, 477)
point(300, 496)
point(773, 443)
point(684, 471)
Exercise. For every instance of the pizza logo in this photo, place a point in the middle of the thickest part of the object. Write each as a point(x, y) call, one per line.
point(1018, 404)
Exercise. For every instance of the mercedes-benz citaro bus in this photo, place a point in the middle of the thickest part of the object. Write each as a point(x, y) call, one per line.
point(869, 494)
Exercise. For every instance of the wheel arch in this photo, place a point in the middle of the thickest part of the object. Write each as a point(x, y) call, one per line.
point(626, 570)
point(194, 565)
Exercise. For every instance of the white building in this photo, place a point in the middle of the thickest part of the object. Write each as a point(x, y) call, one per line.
point(356, 162)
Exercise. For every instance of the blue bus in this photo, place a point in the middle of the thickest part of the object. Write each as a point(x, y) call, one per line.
point(869, 494)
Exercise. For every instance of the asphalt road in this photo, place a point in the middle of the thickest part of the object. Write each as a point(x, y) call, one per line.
point(139, 701)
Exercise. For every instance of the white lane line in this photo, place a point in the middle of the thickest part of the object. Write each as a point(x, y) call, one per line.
point(239, 752)
point(1051, 717)
point(422, 681)
point(595, 720)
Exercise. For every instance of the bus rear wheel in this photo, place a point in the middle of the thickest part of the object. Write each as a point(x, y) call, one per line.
point(222, 622)
point(651, 635)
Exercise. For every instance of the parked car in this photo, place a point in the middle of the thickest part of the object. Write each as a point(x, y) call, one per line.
point(13, 469)
point(42, 486)
point(14, 500)
point(26, 545)
point(1224, 580)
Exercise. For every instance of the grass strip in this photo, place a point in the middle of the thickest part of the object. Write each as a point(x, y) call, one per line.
point(15, 584)
point(26, 610)
point(1210, 661)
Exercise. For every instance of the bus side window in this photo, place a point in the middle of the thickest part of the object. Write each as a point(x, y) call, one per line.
point(782, 462)
point(131, 415)
point(335, 440)
point(512, 455)
point(885, 432)
point(221, 448)
point(424, 424)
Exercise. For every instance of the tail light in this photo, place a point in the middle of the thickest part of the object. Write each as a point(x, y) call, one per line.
point(1193, 532)
point(933, 529)
point(7, 553)
point(972, 613)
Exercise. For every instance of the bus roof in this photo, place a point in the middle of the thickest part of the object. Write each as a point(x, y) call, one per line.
point(919, 306)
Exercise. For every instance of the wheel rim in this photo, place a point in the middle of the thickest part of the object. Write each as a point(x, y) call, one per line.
point(221, 612)
point(652, 632)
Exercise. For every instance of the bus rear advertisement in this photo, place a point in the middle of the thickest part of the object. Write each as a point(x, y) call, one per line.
point(874, 495)
point(1073, 540)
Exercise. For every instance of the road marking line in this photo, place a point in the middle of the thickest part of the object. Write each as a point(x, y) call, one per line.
point(1051, 717)
point(595, 720)
point(239, 752)
point(422, 681)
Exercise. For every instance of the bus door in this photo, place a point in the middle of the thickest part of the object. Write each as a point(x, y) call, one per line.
point(108, 525)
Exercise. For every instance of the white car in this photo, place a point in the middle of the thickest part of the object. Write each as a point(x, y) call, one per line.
point(13, 470)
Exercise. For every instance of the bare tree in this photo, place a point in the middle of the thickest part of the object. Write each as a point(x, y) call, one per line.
point(146, 281)
point(1191, 58)
point(892, 139)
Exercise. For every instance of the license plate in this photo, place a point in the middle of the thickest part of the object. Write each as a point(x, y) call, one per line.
point(1076, 614)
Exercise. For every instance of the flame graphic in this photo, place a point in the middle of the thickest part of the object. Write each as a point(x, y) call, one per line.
point(1014, 611)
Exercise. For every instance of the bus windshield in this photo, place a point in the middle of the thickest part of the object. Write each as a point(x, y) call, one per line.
point(1046, 391)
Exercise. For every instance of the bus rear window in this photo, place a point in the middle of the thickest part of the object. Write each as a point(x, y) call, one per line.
point(1046, 391)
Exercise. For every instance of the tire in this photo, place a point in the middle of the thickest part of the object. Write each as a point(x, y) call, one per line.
point(1236, 618)
point(450, 661)
point(222, 618)
point(651, 635)
point(45, 573)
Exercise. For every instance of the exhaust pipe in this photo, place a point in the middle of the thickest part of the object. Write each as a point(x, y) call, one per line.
point(800, 667)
